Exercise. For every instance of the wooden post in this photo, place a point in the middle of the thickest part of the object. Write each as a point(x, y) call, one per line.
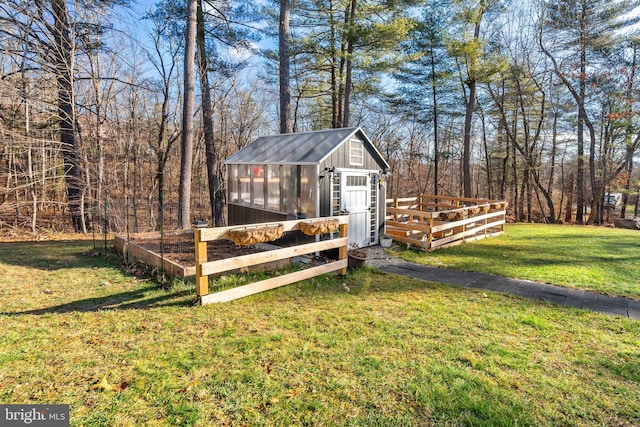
point(342, 252)
point(420, 202)
point(464, 226)
point(202, 282)
point(485, 222)
point(396, 205)
point(430, 234)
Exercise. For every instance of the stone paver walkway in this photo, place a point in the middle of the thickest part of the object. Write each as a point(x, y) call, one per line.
point(618, 306)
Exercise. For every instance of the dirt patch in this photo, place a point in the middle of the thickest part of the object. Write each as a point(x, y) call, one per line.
point(181, 249)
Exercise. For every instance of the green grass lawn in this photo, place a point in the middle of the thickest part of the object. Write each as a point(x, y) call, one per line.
point(605, 260)
point(392, 351)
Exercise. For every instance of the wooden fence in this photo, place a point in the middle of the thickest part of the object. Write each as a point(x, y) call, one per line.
point(205, 268)
point(431, 222)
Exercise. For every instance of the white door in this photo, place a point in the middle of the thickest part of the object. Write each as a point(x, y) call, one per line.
point(355, 200)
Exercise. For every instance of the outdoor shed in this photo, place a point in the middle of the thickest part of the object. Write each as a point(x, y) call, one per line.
point(308, 175)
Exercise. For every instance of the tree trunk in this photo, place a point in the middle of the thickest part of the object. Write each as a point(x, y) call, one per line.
point(339, 114)
point(487, 155)
point(580, 173)
point(597, 183)
point(207, 120)
point(627, 187)
point(523, 194)
point(334, 70)
point(186, 146)
point(554, 149)
point(529, 196)
point(66, 114)
point(283, 50)
point(32, 187)
point(134, 202)
point(514, 169)
point(348, 79)
point(468, 115)
point(434, 112)
point(568, 215)
point(466, 145)
point(505, 162)
point(580, 189)
point(159, 181)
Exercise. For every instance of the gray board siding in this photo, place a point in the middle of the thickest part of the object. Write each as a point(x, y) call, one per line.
point(340, 159)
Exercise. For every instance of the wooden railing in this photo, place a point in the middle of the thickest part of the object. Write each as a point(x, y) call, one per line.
point(430, 222)
point(205, 268)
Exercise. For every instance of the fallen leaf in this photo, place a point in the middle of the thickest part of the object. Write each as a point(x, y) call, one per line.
point(267, 368)
point(188, 387)
point(103, 385)
point(293, 393)
point(345, 287)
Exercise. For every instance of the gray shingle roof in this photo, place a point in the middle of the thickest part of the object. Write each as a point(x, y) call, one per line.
point(295, 148)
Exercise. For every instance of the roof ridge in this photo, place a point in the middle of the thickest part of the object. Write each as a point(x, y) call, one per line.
point(313, 131)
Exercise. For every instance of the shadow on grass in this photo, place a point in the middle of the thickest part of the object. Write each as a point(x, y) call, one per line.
point(133, 300)
point(53, 255)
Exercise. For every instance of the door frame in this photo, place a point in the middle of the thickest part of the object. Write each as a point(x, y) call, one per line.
point(371, 234)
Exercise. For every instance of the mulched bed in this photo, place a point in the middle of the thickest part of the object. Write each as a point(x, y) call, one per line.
point(181, 249)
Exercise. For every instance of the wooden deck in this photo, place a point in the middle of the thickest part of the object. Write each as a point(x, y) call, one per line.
point(430, 222)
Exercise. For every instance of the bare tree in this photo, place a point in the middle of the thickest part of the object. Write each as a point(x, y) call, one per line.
point(164, 59)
